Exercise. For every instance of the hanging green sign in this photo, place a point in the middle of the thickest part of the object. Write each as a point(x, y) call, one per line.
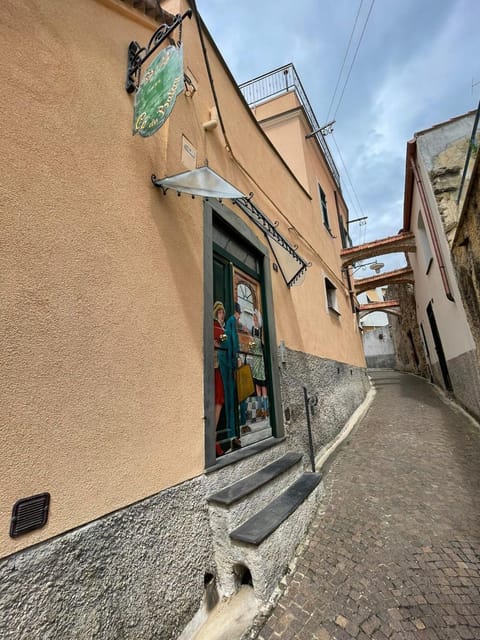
point(160, 86)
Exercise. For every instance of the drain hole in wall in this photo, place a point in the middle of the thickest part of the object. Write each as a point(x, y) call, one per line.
point(242, 576)
point(211, 593)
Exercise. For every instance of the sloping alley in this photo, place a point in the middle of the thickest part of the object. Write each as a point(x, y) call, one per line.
point(394, 551)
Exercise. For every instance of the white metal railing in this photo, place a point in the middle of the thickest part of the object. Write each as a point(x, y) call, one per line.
point(283, 80)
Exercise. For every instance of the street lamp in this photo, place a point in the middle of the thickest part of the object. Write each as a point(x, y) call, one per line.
point(374, 266)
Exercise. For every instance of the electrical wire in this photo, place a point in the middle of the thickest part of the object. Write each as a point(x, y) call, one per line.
point(348, 175)
point(357, 199)
point(344, 60)
point(362, 226)
point(354, 58)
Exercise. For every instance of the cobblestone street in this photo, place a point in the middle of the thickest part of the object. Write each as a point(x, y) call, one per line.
point(394, 551)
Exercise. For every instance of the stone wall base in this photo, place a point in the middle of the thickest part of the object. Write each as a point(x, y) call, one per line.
point(381, 362)
point(339, 387)
point(140, 573)
point(465, 378)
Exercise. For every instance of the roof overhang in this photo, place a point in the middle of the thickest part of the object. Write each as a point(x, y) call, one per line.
point(409, 181)
point(203, 182)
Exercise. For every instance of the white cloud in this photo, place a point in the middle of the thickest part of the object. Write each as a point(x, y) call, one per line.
point(414, 69)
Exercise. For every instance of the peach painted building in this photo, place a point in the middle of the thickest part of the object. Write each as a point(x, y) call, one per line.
point(121, 411)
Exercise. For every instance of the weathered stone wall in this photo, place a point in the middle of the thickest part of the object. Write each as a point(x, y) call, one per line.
point(340, 388)
point(409, 350)
point(466, 255)
point(465, 379)
point(445, 177)
point(443, 151)
point(386, 361)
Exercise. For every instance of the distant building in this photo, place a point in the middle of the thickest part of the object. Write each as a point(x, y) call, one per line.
point(377, 340)
point(434, 163)
point(374, 318)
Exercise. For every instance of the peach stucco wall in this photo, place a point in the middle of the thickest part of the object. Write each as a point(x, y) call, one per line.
point(284, 122)
point(102, 276)
point(102, 285)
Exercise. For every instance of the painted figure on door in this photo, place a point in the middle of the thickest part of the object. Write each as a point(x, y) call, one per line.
point(233, 362)
point(220, 362)
point(258, 366)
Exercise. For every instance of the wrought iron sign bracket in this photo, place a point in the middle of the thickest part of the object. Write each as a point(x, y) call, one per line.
point(270, 230)
point(137, 54)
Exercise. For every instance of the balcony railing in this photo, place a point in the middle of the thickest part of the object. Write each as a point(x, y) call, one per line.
point(280, 81)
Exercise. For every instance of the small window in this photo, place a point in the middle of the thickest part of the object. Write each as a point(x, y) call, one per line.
point(331, 293)
point(323, 202)
point(345, 236)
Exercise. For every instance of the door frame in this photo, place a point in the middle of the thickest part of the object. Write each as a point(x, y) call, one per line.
point(239, 228)
point(437, 342)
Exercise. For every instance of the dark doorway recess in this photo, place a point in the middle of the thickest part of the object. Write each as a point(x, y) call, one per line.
point(439, 347)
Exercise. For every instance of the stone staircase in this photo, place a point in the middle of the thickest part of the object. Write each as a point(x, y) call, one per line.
point(258, 521)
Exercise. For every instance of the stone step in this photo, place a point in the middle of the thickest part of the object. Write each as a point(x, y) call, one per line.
point(237, 491)
point(266, 521)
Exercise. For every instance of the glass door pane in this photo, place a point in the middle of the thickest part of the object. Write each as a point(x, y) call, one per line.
point(254, 410)
point(242, 408)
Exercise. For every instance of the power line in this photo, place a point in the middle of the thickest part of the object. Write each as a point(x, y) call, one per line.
point(354, 57)
point(347, 174)
point(344, 59)
point(363, 227)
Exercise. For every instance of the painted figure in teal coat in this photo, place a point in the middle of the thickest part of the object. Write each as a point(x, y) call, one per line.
point(233, 347)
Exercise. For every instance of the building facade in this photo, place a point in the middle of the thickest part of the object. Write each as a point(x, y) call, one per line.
point(435, 158)
point(115, 430)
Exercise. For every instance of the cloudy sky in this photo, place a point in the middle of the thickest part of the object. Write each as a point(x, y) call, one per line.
point(414, 67)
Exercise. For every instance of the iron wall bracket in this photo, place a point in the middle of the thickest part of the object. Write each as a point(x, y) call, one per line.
point(270, 230)
point(137, 55)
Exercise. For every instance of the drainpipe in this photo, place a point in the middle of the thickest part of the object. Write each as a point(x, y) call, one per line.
point(351, 290)
point(433, 233)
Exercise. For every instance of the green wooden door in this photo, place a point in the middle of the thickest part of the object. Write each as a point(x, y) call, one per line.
point(239, 421)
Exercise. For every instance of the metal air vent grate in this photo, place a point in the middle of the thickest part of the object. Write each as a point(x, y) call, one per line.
point(29, 513)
